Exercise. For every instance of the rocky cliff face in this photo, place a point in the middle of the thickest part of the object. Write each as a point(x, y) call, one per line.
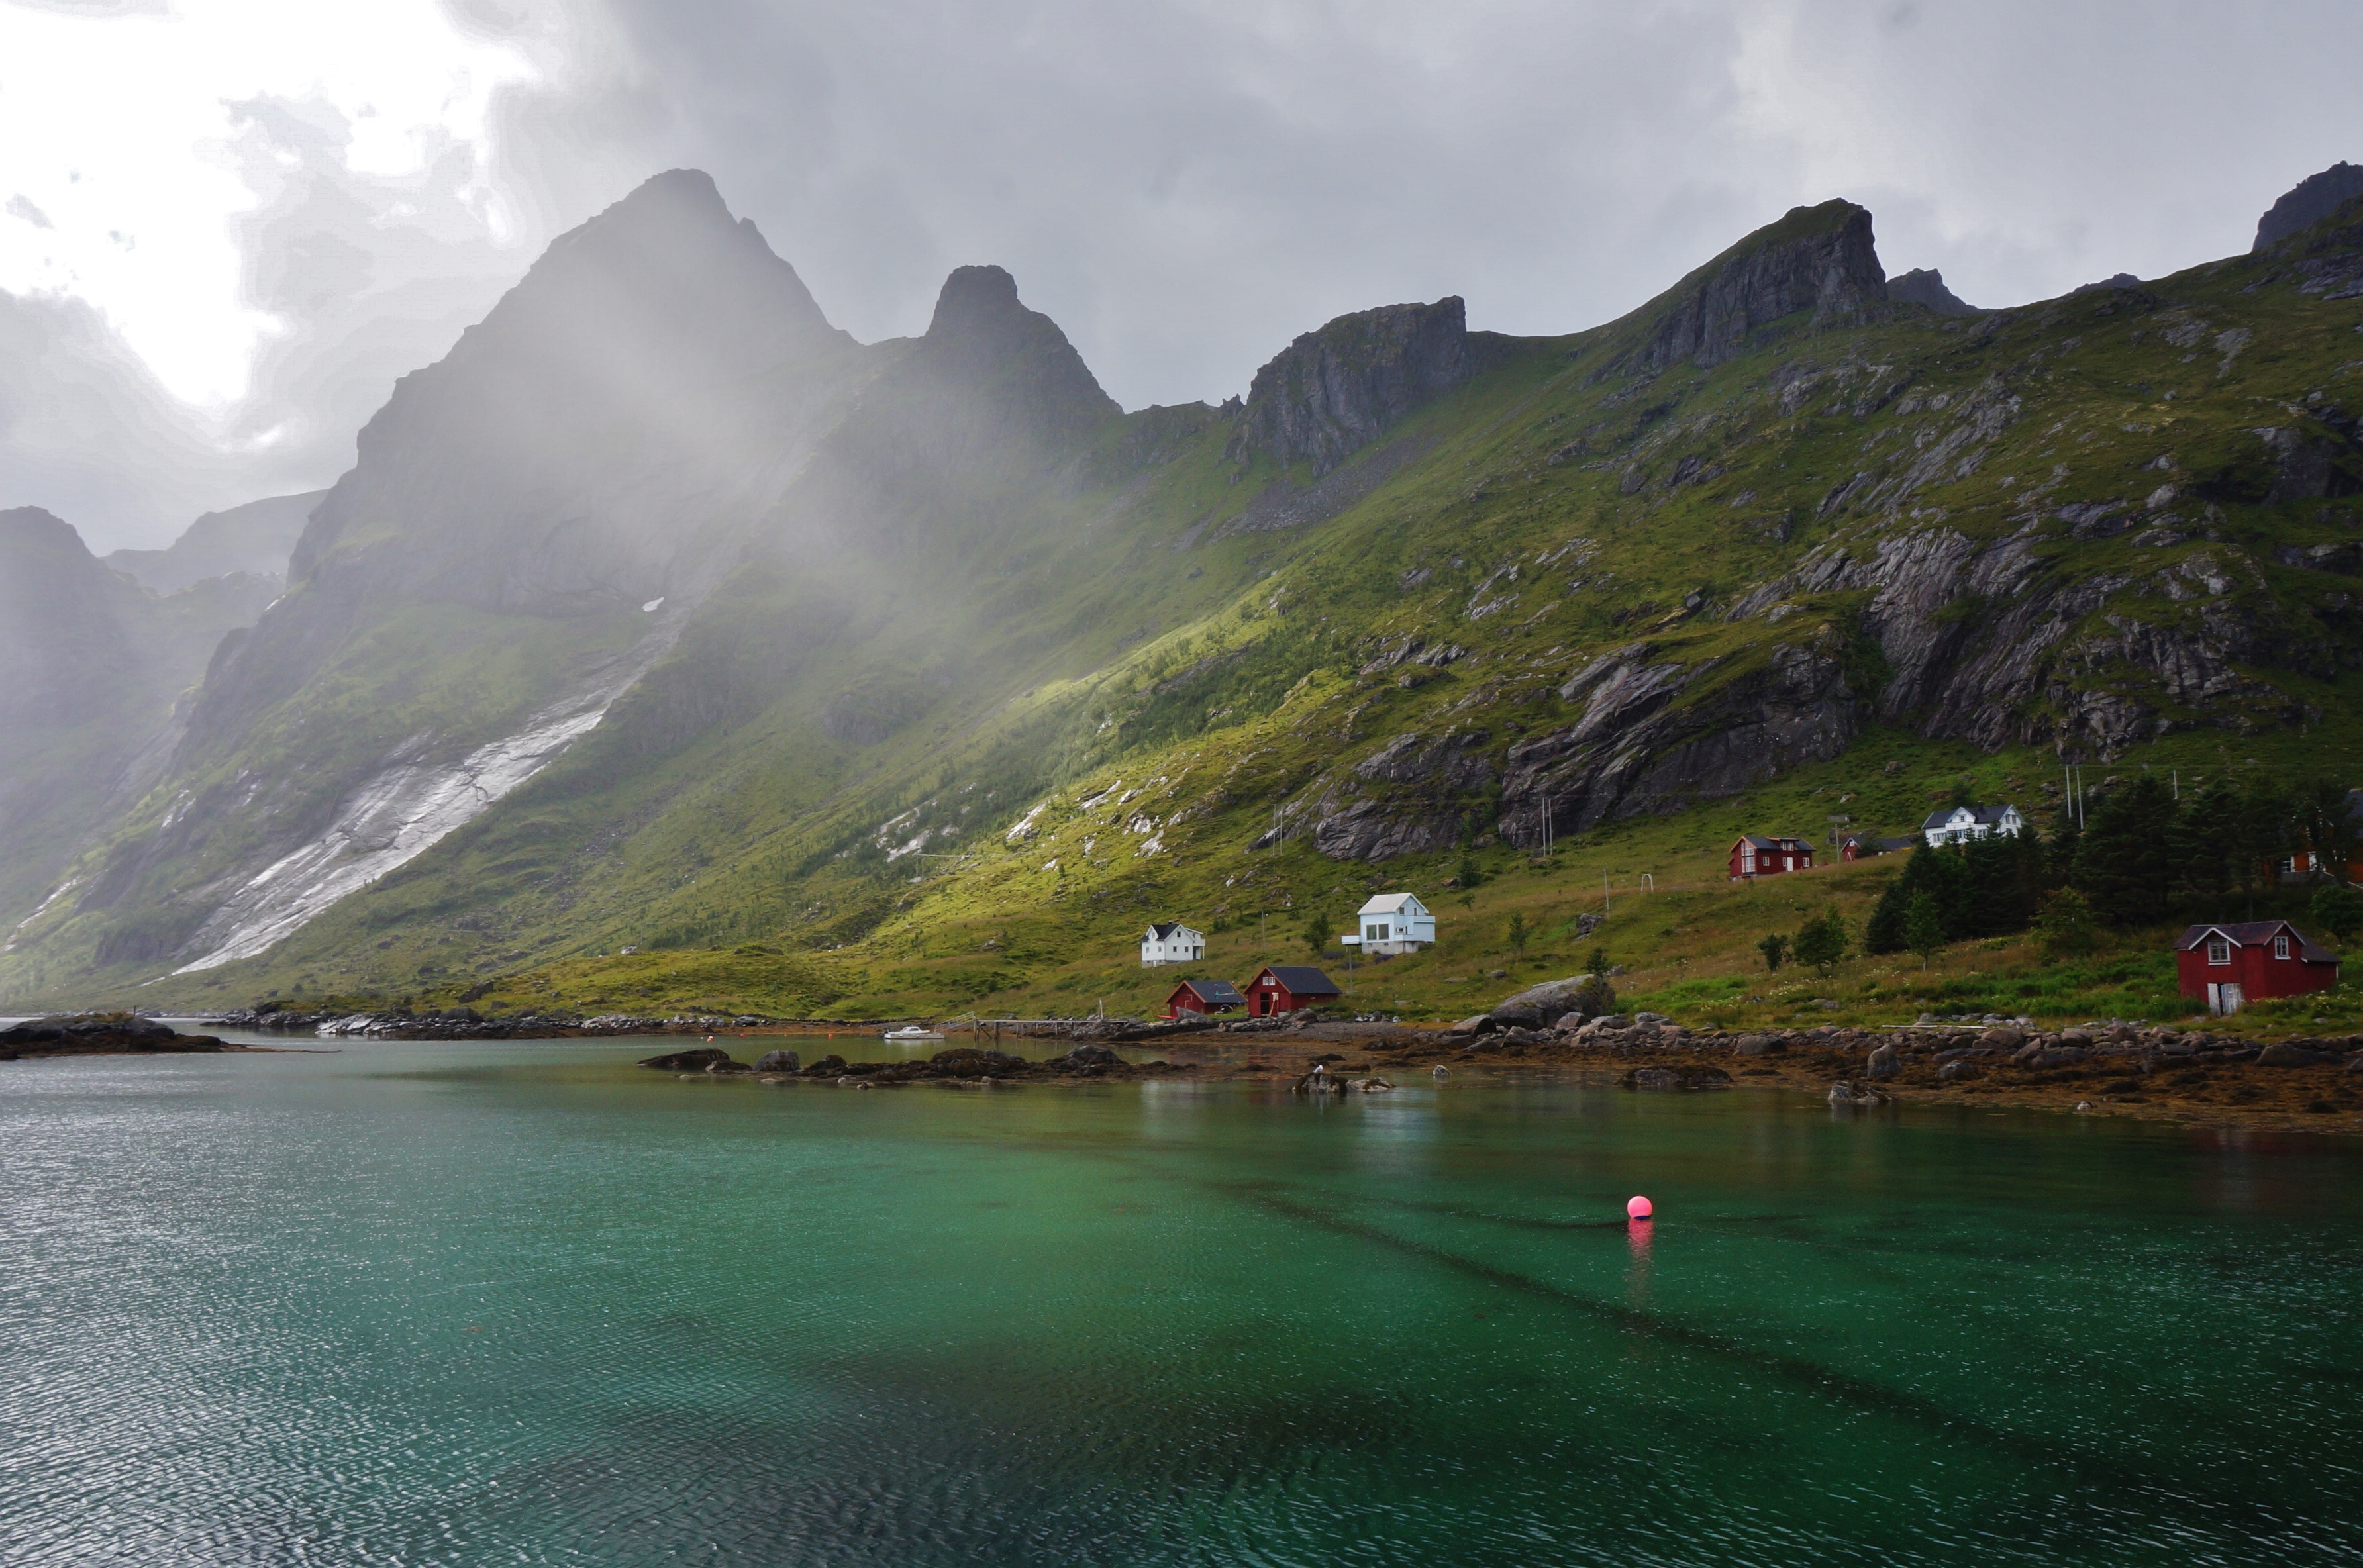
point(1333, 392)
point(2307, 202)
point(1822, 259)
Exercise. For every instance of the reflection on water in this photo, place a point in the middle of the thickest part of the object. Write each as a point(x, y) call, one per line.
point(524, 1303)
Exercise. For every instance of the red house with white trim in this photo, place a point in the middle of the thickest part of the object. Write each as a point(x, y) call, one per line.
point(1204, 997)
point(1284, 987)
point(2231, 966)
point(1753, 854)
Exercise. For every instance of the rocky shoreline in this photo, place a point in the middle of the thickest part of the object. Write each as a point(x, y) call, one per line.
point(467, 1023)
point(2121, 1069)
point(960, 1067)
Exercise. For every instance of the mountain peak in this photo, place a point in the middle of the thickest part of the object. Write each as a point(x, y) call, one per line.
point(2307, 202)
point(974, 300)
point(1926, 287)
point(982, 337)
point(1820, 257)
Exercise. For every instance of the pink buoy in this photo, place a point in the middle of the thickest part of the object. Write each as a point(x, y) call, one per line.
point(1637, 1207)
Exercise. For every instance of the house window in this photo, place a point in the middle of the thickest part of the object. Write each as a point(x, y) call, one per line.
point(2219, 951)
point(2281, 946)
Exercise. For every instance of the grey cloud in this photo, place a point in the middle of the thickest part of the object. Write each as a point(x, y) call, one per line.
point(87, 432)
point(21, 205)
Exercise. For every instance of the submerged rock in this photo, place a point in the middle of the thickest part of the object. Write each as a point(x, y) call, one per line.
point(704, 1058)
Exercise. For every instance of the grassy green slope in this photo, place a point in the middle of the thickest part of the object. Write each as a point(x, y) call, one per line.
point(1153, 683)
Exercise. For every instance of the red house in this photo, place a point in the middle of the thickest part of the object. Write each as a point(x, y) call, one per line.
point(1862, 847)
point(2231, 966)
point(1756, 856)
point(1284, 987)
point(1204, 997)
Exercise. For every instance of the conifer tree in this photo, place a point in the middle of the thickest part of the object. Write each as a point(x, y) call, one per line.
point(2206, 845)
point(2064, 927)
point(2122, 866)
point(2338, 910)
point(1924, 928)
point(1822, 941)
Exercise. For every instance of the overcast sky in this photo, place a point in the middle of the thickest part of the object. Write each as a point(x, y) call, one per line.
point(227, 226)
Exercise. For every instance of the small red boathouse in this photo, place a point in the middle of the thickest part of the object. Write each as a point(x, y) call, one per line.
point(1284, 987)
point(2229, 967)
point(1204, 997)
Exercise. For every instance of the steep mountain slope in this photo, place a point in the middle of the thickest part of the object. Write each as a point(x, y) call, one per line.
point(252, 540)
point(1422, 590)
point(91, 669)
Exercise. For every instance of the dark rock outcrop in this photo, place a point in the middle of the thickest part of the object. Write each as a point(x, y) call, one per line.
point(108, 1034)
point(704, 1058)
point(1820, 258)
point(1647, 745)
point(2307, 202)
point(1333, 392)
point(1926, 287)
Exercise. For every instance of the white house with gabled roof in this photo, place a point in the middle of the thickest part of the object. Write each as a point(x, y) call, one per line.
point(1392, 923)
point(1960, 824)
point(1172, 943)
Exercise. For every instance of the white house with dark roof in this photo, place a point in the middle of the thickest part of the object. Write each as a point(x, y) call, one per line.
point(1392, 923)
point(1960, 824)
point(1172, 943)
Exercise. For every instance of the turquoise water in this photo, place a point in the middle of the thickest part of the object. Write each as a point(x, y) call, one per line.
point(521, 1303)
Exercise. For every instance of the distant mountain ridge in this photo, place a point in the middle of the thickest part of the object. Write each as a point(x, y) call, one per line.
point(252, 540)
point(661, 612)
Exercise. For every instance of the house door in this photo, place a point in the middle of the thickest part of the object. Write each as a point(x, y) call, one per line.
point(2226, 999)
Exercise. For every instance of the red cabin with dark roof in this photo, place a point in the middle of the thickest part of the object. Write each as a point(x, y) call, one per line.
point(1204, 997)
point(1284, 987)
point(2228, 967)
point(1753, 854)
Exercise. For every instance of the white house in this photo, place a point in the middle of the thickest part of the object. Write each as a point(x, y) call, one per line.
point(1391, 923)
point(1959, 824)
point(1171, 944)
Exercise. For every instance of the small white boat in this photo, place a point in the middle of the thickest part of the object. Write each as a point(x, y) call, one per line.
point(912, 1034)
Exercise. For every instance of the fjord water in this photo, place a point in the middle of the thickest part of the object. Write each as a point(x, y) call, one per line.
point(502, 1303)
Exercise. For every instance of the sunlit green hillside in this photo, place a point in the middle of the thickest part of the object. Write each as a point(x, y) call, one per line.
point(1593, 595)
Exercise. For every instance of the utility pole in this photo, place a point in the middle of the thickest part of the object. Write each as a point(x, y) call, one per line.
point(1603, 895)
point(1837, 849)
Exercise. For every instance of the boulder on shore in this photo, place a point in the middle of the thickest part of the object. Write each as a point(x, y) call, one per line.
point(1549, 1003)
point(778, 1062)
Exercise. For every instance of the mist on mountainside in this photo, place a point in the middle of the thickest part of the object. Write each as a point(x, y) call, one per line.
point(661, 609)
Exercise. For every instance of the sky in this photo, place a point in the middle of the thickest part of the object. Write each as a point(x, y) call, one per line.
point(226, 226)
